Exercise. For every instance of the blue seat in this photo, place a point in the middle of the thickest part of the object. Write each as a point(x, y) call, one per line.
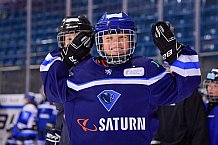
point(19, 61)
point(8, 62)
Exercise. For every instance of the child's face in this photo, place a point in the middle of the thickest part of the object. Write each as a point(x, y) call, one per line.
point(68, 39)
point(212, 88)
point(116, 44)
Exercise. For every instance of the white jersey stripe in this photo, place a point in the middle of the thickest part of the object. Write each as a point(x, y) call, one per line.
point(188, 58)
point(46, 106)
point(47, 66)
point(140, 81)
point(186, 72)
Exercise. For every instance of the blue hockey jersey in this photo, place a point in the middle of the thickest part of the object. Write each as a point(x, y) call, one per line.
point(213, 125)
point(46, 118)
point(24, 127)
point(46, 114)
point(113, 105)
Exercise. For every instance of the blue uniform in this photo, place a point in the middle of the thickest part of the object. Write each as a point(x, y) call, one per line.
point(24, 131)
point(114, 105)
point(46, 118)
point(213, 125)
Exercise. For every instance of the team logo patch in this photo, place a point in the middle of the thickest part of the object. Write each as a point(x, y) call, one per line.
point(108, 98)
point(108, 71)
point(138, 71)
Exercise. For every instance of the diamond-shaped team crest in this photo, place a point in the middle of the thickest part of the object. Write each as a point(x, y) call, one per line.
point(108, 98)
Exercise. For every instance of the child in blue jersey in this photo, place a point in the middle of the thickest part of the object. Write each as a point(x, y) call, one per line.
point(24, 131)
point(70, 27)
point(211, 86)
point(110, 99)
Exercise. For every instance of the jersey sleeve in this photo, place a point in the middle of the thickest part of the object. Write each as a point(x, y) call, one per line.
point(181, 82)
point(27, 114)
point(186, 70)
point(54, 75)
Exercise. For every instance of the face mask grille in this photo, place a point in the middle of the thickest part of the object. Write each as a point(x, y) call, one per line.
point(116, 47)
point(61, 36)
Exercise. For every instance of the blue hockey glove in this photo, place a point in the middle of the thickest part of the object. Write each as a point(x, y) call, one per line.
point(165, 40)
point(78, 50)
point(53, 137)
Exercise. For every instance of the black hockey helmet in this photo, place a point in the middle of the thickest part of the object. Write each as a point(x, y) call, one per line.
point(211, 85)
point(72, 25)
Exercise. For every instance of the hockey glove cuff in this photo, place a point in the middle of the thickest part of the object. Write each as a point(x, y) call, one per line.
point(53, 137)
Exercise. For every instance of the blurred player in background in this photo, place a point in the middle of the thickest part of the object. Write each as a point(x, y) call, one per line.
point(211, 86)
point(70, 27)
point(109, 99)
point(24, 131)
point(46, 118)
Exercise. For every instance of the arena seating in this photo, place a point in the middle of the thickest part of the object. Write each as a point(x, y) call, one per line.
point(47, 14)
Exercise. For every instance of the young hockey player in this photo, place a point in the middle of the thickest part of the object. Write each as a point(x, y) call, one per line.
point(67, 31)
point(109, 99)
point(211, 86)
point(24, 131)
